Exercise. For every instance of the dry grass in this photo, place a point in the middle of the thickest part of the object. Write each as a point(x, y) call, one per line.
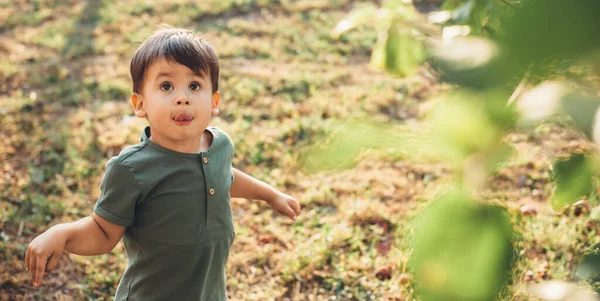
point(285, 83)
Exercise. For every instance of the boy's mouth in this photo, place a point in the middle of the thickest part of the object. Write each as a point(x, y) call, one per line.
point(183, 117)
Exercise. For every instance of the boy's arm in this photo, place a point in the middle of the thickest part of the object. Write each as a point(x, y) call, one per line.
point(245, 186)
point(92, 236)
point(87, 236)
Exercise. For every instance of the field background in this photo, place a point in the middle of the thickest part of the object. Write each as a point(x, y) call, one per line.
point(285, 83)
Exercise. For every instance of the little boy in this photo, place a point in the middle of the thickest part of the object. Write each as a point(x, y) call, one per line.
point(167, 197)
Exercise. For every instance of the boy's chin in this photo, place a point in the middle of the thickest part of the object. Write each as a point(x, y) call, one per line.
point(179, 132)
point(186, 133)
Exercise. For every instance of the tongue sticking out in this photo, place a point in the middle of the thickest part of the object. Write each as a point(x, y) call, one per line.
point(183, 116)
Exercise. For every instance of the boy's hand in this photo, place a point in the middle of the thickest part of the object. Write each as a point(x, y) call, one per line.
point(285, 205)
point(43, 253)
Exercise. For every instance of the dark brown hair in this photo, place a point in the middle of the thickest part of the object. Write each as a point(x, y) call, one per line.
point(175, 45)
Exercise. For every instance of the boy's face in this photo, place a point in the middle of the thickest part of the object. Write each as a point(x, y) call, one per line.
point(177, 102)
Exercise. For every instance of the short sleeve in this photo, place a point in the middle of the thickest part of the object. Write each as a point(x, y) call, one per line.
point(232, 155)
point(119, 192)
point(232, 150)
point(229, 147)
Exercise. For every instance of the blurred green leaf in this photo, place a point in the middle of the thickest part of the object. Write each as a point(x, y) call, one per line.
point(462, 13)
point(362, 14)
point(451, 4)
point(589, 266)
point(462, 250)
point(499, 113)
point(400, 53)
point(543, 29)
point(574, 178)
point(473, 13)
point(546, 37)
point(469, 122)
point(340, 150)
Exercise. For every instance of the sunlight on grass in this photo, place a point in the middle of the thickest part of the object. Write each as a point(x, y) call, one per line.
point(363, 152)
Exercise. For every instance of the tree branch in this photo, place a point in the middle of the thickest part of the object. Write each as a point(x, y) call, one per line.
point(519, 90)
point(509, 4)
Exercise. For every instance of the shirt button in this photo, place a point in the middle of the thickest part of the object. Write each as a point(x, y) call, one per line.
point(212, 191)
point(205, 160)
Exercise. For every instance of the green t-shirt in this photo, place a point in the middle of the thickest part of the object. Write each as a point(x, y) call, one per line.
point(177, 211)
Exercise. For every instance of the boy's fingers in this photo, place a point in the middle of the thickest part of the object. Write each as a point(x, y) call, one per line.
point(296, 206)
point(53, 261)
point(39, 270)
point(32, 267)
point(289, 212)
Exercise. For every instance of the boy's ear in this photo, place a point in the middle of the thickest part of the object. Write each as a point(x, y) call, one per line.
point(137, 101)
point(215, 103)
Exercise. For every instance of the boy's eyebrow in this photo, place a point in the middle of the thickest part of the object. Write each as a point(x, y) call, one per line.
point(163, 73)
point(168, 74)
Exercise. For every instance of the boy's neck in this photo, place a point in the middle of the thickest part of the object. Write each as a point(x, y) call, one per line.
point(189, 146)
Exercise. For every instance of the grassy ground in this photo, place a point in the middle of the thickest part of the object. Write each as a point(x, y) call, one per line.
point(285, 83)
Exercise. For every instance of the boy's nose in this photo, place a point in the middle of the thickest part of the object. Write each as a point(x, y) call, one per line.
point(182, 101)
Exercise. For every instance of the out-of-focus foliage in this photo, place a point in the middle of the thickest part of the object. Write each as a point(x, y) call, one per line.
point(574, 178)
point(469, 61)
point(462, 250)
point(523, 39)
point(463, 126)
point(494, 51)
point(589, 266)
point(401, 54)
point(478, 15)
point(540, 32)
point(339, 151)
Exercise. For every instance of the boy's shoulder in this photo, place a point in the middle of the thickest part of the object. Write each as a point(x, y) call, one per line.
point(220, 136)
point(131, 155)
point(221, 141)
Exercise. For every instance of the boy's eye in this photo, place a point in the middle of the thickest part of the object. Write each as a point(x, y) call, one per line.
point(195, 86)
point(166, 87)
